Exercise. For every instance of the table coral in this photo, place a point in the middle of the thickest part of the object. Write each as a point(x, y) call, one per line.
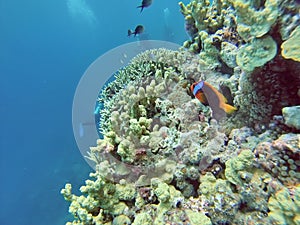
point(256, 53)
point(254, 21)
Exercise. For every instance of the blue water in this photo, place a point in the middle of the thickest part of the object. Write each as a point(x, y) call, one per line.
point(45, 47)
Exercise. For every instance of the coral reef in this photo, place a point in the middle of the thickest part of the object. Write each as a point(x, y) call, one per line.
point(285, 206)
point(291, 116)
point(254, 20)
point(163, 159)
point(281, 158)
point(290, 48)
point(256, 53)
point(244, 46)
point(235, 167)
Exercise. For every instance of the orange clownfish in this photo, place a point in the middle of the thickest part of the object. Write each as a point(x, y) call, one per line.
point(208, 95)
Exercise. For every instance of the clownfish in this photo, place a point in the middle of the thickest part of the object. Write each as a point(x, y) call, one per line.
point(208, 95)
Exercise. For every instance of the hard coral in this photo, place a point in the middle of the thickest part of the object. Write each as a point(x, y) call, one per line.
point(254, 20)
point(256, 53)
point(285, 207)
point(281, 158)
point(290, 48)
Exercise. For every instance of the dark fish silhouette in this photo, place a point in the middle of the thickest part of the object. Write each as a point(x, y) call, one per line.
point(138, 30)
point(145, 4)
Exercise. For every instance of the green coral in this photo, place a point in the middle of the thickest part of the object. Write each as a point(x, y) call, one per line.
point(125, 191)
point(218, 198)
point(290, 49)
point(253, 22)
point(209, 53)
point(206, 16)
point(256, 53)
point(126, 150)
point(142, 218)
point(121, 220)
point(202, 20)
point(97, 193)
point(236, 168)
point(228, 54)
point(291, 116)
point(197, 218)
point(167, 196)
point(284, 207)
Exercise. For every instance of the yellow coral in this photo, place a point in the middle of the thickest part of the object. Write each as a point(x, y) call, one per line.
point(252, 22)
point(290, 49)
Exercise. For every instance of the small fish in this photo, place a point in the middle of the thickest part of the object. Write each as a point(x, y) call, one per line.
point(145, 4)
point(138, 30)
point(208, 95)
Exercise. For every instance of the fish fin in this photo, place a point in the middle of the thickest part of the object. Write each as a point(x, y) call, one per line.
point(219, 94)
point(223, 97)
point(201, 97)
point(228, 108)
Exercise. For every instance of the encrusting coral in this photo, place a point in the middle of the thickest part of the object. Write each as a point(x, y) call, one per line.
point(285, 206)
point(163, 158)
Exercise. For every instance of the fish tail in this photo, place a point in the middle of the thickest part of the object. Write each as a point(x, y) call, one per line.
point(229, 108)
point(142, 7)
point(129, 33)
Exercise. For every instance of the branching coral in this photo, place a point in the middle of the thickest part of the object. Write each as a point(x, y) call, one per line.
point(99, 200)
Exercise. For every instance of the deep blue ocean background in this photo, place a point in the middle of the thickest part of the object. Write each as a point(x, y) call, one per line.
point(45, 47)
